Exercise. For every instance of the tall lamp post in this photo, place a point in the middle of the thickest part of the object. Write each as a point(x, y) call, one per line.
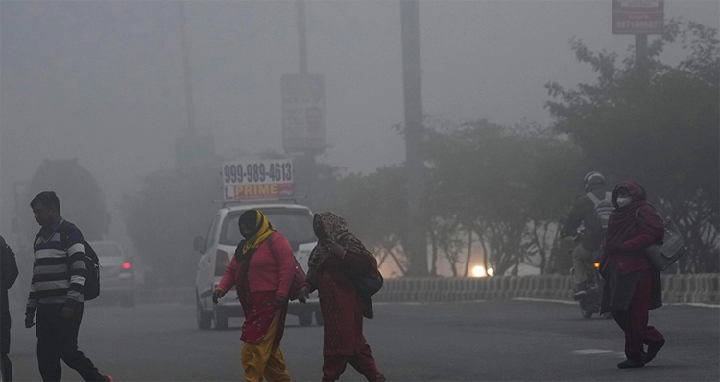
point(414, 160)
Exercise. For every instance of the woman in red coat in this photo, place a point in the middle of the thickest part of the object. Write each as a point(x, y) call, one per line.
point(262, 276)
point(632, 285)
point(337, 255)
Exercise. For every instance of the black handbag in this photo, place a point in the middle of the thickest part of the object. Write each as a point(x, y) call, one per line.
point(368, 284)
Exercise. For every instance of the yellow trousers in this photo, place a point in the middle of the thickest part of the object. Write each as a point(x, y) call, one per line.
point(264, 359)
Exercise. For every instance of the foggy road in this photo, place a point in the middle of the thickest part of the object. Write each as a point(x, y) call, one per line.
point(452, 136)
point(485, 340)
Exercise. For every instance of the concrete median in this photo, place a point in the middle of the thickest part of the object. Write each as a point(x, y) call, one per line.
point(677, 288)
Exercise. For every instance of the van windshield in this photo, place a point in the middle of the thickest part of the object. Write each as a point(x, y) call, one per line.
point(295, 224)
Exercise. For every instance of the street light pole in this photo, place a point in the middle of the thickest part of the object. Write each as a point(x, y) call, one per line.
point(414, 162)
point(641, 51)
point(302, 38)
point(186, 72)
point(308, 166)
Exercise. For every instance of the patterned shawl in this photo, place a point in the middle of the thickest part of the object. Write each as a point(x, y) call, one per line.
point(329, 228)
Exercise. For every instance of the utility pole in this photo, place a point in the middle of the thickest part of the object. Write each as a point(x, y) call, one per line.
point(308, 167)
point(302, 38)
point(186, 72)
point(641, 52)
point(190, 147)
point(414, 161)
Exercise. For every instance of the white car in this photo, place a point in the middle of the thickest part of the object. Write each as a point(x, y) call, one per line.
point(218, 246)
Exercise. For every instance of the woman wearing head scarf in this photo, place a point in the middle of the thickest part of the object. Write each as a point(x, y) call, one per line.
point(632, 285)
point(262, 275)
point(337, 255)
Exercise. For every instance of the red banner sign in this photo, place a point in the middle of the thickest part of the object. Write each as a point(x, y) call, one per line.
point(637, 16)
point(258, 191)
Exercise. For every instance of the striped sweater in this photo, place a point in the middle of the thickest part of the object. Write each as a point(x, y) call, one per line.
point(59, 268)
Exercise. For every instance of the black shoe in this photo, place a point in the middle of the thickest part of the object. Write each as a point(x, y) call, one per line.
point(652, 351)
point(630, 364)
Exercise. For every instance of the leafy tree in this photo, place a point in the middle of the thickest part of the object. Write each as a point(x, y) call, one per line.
point(445, 236)
point(82, 201)
point(658, 125)
point(508, 185)
point(374, 205)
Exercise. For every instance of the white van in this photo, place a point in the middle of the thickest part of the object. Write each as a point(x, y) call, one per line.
point(218, 246)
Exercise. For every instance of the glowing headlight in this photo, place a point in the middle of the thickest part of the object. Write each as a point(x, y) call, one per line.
point(478, 271)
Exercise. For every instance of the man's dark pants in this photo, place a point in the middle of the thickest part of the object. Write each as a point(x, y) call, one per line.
point(5, 363)
point(57, 339)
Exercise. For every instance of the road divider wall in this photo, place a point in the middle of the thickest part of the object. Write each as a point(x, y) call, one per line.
point(679, 288)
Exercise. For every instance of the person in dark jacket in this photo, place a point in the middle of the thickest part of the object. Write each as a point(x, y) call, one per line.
point(8, 273)
point(632, 286)
point(585, 212)
point(337, 254)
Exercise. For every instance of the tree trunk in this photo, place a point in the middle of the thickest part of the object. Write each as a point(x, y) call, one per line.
point(453, 265)
point(486, 260)
point(434, 246)
point(469, 253)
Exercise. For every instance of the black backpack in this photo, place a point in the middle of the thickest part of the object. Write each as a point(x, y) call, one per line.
point(92, 263)
point(367, 284)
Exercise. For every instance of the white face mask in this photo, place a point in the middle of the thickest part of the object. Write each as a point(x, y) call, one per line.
point(622, 202)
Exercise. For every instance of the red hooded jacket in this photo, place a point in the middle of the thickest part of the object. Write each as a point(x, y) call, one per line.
point(631, 229)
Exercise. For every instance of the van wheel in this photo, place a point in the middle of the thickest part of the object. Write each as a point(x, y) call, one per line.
point(319, 317)
point(220, 318)
point(203, 319)
point(305, 317)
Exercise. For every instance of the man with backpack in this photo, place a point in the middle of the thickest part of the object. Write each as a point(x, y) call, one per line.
point(592, 209)
point(57, 292)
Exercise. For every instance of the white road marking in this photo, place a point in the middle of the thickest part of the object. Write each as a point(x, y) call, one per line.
point(566, 302)
point(592, 351)
point(420, 303)
point(696, 304)
point(402, 303)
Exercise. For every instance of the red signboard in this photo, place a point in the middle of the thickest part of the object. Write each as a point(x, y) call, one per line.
point(258, 191)
point(637, 16)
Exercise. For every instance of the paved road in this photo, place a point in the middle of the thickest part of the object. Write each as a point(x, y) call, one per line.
point(488, 341)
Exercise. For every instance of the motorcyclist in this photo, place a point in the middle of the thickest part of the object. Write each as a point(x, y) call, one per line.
point(591, 210)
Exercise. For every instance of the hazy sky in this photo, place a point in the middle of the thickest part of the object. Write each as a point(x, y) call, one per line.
point(102, 80)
